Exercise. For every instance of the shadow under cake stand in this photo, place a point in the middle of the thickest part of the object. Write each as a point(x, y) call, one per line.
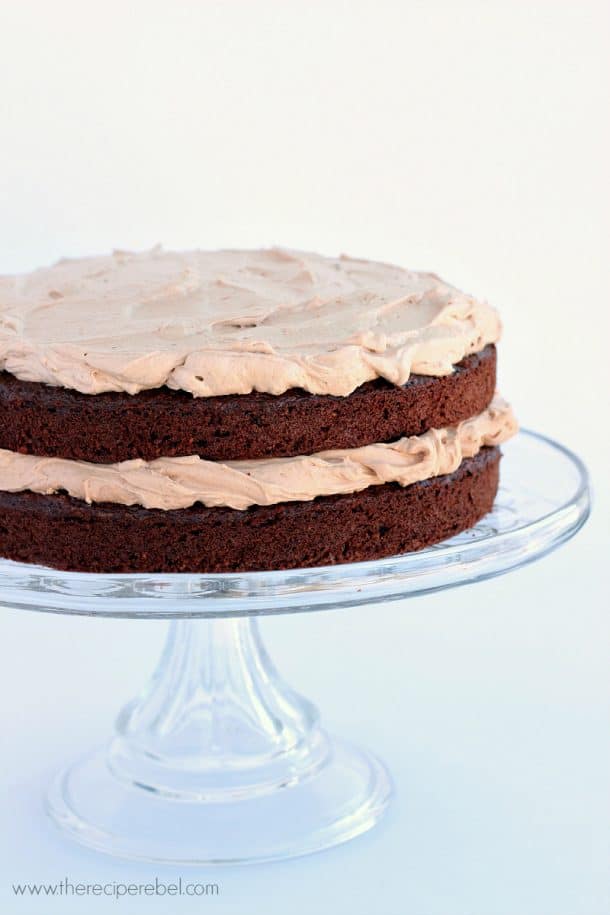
point(218, 760)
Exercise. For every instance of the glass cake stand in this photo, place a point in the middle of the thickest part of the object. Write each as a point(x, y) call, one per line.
point(218, 760)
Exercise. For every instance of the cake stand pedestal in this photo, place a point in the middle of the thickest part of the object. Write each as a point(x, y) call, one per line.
point(218, 760)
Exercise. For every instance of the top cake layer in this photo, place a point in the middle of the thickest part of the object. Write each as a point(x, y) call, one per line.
point(233, 322)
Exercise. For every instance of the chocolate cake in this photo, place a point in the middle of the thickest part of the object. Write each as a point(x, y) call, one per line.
point(241, 410)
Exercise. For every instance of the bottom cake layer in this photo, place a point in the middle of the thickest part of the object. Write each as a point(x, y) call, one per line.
point(66, 533)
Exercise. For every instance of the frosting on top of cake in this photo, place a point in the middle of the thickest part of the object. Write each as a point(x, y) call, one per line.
point(178, 482)
point(232, 322)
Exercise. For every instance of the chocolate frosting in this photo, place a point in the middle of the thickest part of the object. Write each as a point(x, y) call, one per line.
point(232, 322)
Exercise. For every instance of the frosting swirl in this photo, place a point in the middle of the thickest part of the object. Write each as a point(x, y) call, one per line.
point(232, 322)
point(173, 483)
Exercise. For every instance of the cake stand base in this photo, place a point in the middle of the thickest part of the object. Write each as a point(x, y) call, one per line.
point(344, 798)
point(219, 761)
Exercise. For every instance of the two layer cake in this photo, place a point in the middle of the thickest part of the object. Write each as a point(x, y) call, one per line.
point(241, 410)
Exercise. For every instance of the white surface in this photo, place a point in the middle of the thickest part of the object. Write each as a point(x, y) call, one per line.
point(468, 138)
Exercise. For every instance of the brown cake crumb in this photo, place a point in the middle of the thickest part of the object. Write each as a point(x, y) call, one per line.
point(105, 428)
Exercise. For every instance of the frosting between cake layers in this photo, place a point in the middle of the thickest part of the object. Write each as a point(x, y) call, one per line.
point(232, 322)
point(178, 482)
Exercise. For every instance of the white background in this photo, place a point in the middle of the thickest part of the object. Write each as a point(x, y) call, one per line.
point(470, 138)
